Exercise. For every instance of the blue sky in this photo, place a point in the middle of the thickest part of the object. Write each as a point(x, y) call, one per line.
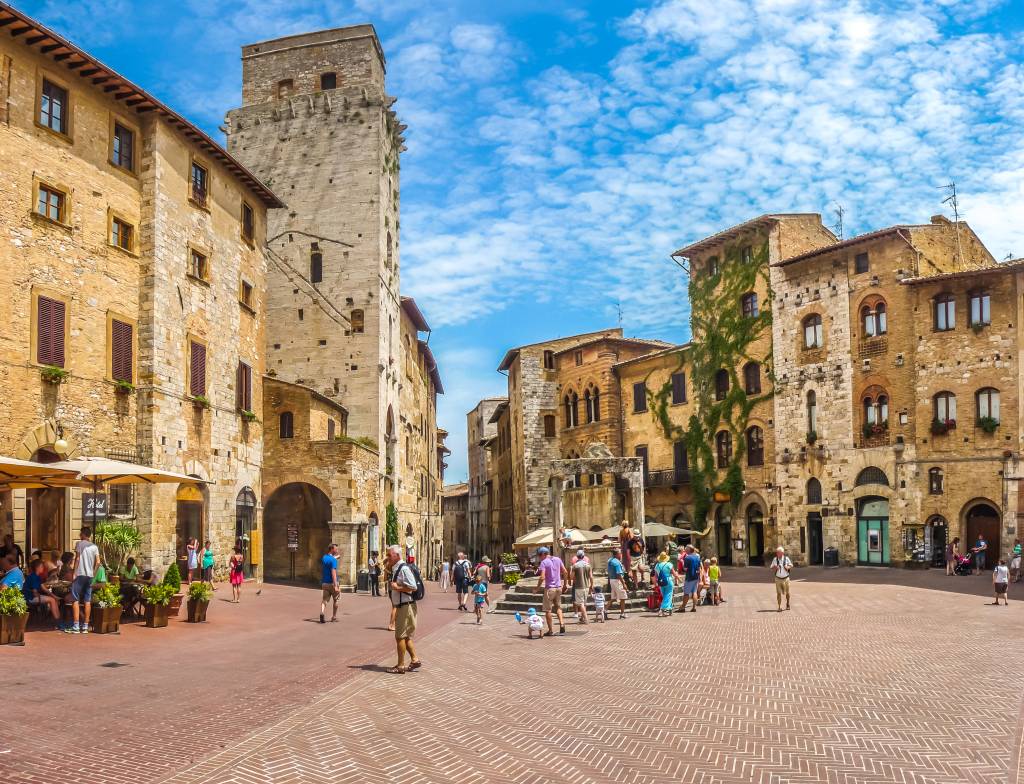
point(560, 151)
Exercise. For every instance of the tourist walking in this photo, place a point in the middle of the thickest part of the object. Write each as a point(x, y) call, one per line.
point(483, 569)
point(387, 582)
point(625, 536)
point(617, 582)
point(691, 577)
point(582, 584)
point(952, 553)
point(980, 550)
point(665, 575)
point(191, 560)
point(373, 567)
point(462, 572)
point(236, 569)
point(402, 589)
point(553, 578)
point(206, 559)
point(87, 556)
point(329, 582)
point(446, 576)
point(1001, 582)
point(781, 567)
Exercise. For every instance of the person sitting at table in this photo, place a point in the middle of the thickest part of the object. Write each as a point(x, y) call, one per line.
point(52, 563)
point(150, 577)
point(13, 576)
point(38, 596)
point(10, 548)
point(66, 572)
point(130, 571)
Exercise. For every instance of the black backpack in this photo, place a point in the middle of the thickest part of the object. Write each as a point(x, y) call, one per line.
point(421, 589)
point(461, 572)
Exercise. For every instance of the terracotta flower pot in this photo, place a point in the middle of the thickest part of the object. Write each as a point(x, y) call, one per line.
point(106, 620)
point(156, 615)
point(175, 606)
point(12, 629)
point(197, 611)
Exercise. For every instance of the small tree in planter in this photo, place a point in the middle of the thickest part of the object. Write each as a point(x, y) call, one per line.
point(117, 539)
point(106, 610)
point(13, 616)
point(173, 579)
point(198, 601)
point(510, 578)
point(157, 599)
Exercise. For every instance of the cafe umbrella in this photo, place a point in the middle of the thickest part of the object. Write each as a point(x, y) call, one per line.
point(17, 473)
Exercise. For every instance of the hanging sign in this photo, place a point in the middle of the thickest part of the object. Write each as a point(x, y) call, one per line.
point(293, 537)
point(94, 506)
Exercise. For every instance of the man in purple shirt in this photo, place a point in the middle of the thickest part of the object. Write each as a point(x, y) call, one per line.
point(553, 576)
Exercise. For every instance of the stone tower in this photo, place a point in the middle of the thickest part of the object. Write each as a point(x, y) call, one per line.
point(316, 125)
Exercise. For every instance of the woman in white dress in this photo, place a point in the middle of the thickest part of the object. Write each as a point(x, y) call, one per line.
point(445, 579)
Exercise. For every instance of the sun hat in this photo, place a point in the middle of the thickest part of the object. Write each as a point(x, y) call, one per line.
point(485, 559)
point(542, 551)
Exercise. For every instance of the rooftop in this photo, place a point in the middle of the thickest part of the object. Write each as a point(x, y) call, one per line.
point(431, 363)
point(449, 491)
point(627, 341)
point(1013, 265)
point(510, 355)
point(49, 44)
point(496, 415)
point(412, 310)
point(741, 228)
point(653, 355)
point(312, 392)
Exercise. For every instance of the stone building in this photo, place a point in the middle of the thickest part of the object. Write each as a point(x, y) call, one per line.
point(316, 123)
point(455, 516)
point(500, 506)
point(135, 286)
point(479, 432)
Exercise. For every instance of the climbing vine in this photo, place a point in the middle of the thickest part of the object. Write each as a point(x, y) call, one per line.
point(724, 338)
point(391, 525)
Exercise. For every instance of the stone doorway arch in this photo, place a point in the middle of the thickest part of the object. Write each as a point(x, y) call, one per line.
point(297, 531)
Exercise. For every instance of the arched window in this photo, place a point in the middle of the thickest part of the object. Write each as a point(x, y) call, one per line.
point(935, 481)
point(813, 491)
point(945, 312)
point(812, 412)
point(721, 384)
point(748, 302)
point(882, 318)
point(576, 480)
point(873, 320)
point(987, 403)
point(592, 404)
point(870, 415)
point(572, 414)
point(882, 402)
point(876, 407)
point(287, 429)
point(755, 446)
point(713, 266)
point(723, 445)
point(871, 476)
point(752, 378)
point(981, 308)
point(356, 318)
point(813, 335)
point(945, 407)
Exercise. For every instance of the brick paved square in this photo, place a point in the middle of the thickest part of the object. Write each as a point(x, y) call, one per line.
point(869, 680)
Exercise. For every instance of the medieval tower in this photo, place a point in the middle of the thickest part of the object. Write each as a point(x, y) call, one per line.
point(316, 126)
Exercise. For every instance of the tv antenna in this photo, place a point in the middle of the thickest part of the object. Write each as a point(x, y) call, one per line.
point(839, 220)
point(618, 311)
point(954, 204)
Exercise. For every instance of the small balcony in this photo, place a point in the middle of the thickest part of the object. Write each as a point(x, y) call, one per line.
point(672, 477)
point(873, 347)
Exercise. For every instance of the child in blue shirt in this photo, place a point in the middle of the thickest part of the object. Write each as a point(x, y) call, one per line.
point(480, 598)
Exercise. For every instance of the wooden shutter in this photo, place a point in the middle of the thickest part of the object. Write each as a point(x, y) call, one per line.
point(243, 387)
point(120, 351)
point(197, 369)
point(678, 387)
point(50, 332)
point(640, 396)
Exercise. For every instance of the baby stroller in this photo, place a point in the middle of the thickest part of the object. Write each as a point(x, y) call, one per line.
point(964, 565)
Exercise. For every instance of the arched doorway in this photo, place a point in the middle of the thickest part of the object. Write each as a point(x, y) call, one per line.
point(723, 536)
point(245, 521)
point(46, 520)
point(815, 540)
point(936, 535)
point(755, 535)
point(190, 521)
point(873, 531)
point(296, 531)
point(983, 519)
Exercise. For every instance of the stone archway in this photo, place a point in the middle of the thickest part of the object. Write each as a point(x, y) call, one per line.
point(297, 531)
point(981, 517)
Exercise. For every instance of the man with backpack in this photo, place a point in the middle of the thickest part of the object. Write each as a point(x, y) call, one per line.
point(462, 574)
point(405, 589)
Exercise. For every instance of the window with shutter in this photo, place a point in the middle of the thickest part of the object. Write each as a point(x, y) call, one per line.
point(243, 387)
point(50, 332)
point(197, 369)
point(639, 397)
point(120, 351)
point(678, 388)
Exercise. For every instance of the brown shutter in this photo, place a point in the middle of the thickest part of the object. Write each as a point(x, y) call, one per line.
point(120, 351)
point(247, 398)
point(197, 369)
point(243, 387)
point(50, 332)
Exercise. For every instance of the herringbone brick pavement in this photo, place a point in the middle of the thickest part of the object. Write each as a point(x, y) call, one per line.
point(859, 683)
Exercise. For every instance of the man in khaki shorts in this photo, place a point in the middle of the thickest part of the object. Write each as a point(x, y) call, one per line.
point(617, 581)
point(553, 577)
point(400, 589)
point(329, 583)
point(781, 566)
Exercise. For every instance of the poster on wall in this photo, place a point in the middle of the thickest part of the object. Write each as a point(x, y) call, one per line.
point(293, 537)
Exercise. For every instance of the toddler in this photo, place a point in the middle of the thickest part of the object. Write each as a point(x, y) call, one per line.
point(479, 598)
point(714, 579)
point(599, 611)
point(534, 623)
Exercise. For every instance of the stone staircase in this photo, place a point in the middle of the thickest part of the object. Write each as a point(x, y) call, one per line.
point(520, 598)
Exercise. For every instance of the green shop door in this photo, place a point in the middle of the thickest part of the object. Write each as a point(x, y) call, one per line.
point(873, 532)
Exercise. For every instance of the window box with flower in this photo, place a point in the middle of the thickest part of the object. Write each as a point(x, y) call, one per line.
point(942, 426)
point(988, 424)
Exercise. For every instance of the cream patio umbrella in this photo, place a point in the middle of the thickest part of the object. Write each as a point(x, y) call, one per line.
point(17, 474)
point(96, 471)
point(652, 530)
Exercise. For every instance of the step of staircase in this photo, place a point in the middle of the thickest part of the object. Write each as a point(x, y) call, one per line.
point(522, 600)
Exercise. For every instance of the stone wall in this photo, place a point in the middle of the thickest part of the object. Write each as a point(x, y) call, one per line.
point(479, 428)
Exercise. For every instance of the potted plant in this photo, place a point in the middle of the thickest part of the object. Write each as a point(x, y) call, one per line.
point(249, 416)
point(124, 387)
point(13, 616)
point(52, 374)
point(812, 436)
point(988, 424)
point(939, 427)
point(201, 402)
point(106, 610)
point(157, 599)
point(198, 601)
point(173, 579)
point(117, 539)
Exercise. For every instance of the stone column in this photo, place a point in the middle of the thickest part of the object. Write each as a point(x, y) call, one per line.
point(636, 492)
point(556, 491)
point(345, 533)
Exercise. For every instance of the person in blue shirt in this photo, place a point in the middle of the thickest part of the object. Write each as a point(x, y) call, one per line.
point(36, 594)
point(329, 582)
point(480, 598)
point(617, 580)
point(691, 577)
point(13, 576)
point(665, 576)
